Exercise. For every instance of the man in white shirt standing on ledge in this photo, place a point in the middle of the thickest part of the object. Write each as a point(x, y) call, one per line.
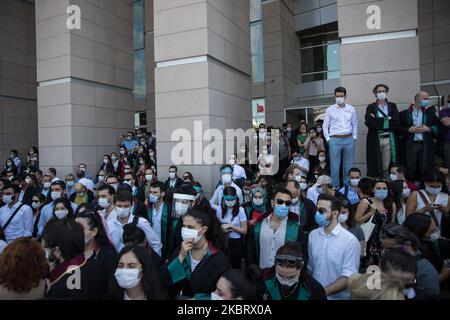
point(340, 128)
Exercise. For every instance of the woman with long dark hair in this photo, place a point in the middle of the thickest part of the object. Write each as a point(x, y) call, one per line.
point(200, 261)
point(62, 208)
point(135, 277)
point(107, 165)
point(400, 194)
point(97, 244)
point(234, 222)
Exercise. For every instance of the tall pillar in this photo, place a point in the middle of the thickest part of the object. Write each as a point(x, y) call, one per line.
point(281, 58)
point(85, 78)
point(202, 54)
point(150, 64)
point(379, 45)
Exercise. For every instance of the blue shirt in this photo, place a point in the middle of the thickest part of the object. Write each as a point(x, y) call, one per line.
point(352, 194)
point(130, 144)
point(47, 214)
point(385, 109)
point(417, 116)
point(70, 191)
point(22, 223)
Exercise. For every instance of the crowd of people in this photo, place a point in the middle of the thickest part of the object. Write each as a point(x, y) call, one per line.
point(315, 230)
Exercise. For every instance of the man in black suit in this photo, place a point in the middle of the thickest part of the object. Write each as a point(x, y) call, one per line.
point(174, 182)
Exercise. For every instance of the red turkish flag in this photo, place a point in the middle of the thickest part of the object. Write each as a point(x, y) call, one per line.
point(259, 108)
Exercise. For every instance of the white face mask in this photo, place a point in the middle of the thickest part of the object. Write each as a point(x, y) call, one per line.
point(101, 178)
point(303, 186)
point(258, 202)
point(393, 177)
point(127, 278)
point(47, 185)
point(105, 161)
point(181, 208)
point(381, 96)
point(148, 177)
point(126, 170)
point(433, 191)
point(122, 212)
point(27, 181)
point(172, 175)
point(61, 214)
point(214, 296)
point(230, 203)
point(354, 182)
point(103, 202)
point(187, 233)
point(298, 178)
point(35, 205)
point(232, 162)
point(340, 100)
point(406, 192)
point(343, 217)
point(226, 178)
point(288, 282)
point(322, 159)
point(55, 195)
point(7, 199)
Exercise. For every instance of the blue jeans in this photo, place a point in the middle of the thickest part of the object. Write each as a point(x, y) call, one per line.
point(341, 147)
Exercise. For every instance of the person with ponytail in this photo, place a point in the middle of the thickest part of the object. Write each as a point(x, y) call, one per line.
point(200, 261)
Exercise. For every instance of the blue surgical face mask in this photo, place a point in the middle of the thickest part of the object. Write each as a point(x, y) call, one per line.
point(320, 190)
point(321, 219)
point(381, 194)
point(424, 103)
point(281, 211)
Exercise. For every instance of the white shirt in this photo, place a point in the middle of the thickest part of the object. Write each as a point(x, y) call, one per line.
point(216, 199)
point(229, 219)
point(238, 172)
point(115, 231)
point(333, 256)
point(156, 219)
point(22, 223)
point(194, 263)
point(312, 194)
point(340, 121)
point(270, 242)
point(441, 198)
point(303, 163)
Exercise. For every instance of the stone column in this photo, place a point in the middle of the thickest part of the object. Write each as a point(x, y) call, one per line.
point(85, 77)
point(202, 54)
point(379, 45)
point(281, 58)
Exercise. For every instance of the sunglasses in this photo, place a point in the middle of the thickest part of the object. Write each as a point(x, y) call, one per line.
point(289, 261)
point(280, 202)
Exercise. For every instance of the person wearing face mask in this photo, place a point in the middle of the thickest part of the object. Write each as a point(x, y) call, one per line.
point(425, 284)
point(323, 185)
point(130, 142)
point(323, 165)
point(272, 231)
point(173, 182)
point(105, 201)
point(400, 194)
point(146, 181)
point(57, 190)
point(334, 253)
point(234, 223)
point(107, 165)
point(313, 144)
point(37, 203)
point(444, 117)
point(62, 209)
point(419, 126)
point(433, 201)
point(113, 181)
point(226, 181)
point(351, 191)
point(257, 207)
point(398, 172)
point(246, 192)
point(199, 262)
point(10, 166)
point(16, 218)
point(372, 213)
point(340, 128)
point(97, 245)
point(64, 243)
point(300, 161)
point(70, 184)
point(82, 194)
point(123, 201)
point(136, 277)
point(130, 179)
point(46, 184)
point(141, 165)
point(290, 281)
point(239, 174)
point(303, 207)
point(293, 172)
point(115, 161)
point(28, 188)
point(382, 121)
point(433, 247)
point(159, 214)
point(17, 161)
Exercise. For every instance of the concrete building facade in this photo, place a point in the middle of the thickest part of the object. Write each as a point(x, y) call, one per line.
point(163, 65)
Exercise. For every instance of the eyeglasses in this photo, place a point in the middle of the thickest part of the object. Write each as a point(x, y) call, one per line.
point(280, 202)
point(288, 260)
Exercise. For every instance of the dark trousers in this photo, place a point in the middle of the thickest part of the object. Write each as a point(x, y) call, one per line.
point(414, 165)
point(236, 252)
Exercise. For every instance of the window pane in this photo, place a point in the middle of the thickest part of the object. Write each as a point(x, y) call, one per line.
point(138, 24)
point(140, 86)
point(255, 10)
point(313, 59)
point(332, 57)
point(312, 41)
point(256, 36)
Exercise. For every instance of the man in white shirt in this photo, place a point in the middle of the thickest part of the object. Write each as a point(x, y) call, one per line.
point(227, 174)
point(334, 253)
point(20, 224)
point(299, 160)
point(122, 202)
point(238, 171)
point(105, 199)
point(52, 173)
point(340, 128)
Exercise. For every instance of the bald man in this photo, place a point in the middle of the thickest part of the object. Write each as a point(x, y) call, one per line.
point(81, 195)
point(419, 127)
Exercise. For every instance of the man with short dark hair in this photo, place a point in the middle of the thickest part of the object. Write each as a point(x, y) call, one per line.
point(173, 182)
point(159, 214)
point(130, 143)
point(52, 173)
point(382, 121)
point(351, 191)
point(16, 218)
point(340, 129)
point(72, 276)
point(334, 253)
point(105, 200)
point(15, 158)
point(398, 172)
point(226, 172)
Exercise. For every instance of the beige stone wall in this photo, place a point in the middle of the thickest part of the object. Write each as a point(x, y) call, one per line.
point(18, 112)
